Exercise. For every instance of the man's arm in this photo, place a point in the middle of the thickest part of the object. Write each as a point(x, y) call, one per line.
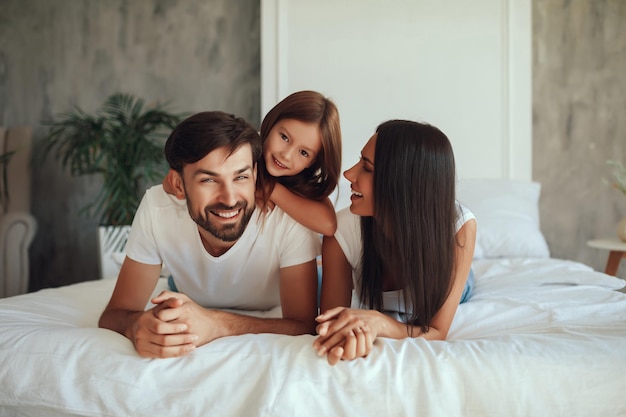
point(176, 325)
point(125, 314)
point(298, 294)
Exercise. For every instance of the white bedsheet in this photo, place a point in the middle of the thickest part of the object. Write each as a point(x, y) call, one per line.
point(540, 337)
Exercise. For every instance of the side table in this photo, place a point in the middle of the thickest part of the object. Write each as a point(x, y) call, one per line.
point(617, 250)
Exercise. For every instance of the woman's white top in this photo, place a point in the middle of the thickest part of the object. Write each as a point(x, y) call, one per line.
point(348, 235)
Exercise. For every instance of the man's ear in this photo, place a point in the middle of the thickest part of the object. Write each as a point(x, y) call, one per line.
point(180, 187)
point(254, 172)
point(175, 179)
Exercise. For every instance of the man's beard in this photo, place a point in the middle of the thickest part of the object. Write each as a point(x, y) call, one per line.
point(226, 233)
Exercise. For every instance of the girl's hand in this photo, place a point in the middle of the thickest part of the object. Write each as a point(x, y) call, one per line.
point(346, 333)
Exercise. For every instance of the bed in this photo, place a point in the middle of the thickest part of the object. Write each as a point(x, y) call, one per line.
point(539, 337)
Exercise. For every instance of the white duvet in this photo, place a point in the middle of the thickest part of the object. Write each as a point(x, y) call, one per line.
point(540, 337)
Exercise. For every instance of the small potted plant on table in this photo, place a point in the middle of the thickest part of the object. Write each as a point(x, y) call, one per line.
point(619, 182)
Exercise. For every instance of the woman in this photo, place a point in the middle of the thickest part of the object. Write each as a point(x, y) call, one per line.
point(405, 245)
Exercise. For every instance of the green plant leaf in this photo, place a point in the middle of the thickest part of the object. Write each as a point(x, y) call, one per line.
point(123, 142)
point(619, 175)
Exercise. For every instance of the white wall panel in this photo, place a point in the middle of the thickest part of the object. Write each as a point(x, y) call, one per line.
point(462, 66)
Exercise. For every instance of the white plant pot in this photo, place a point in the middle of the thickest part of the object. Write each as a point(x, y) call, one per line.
point(111, 243)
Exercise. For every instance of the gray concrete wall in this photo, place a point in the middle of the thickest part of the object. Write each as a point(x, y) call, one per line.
point(579, 121)
point(197, 54)
point(205, 54)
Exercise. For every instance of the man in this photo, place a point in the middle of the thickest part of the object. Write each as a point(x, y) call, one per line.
point(222, 252)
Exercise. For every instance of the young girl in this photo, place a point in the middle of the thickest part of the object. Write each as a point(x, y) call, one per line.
point(301, 161)
point(405, 245)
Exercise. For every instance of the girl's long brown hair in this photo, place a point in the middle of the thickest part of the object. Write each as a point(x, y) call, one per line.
point(411, 236)
point(320, 179)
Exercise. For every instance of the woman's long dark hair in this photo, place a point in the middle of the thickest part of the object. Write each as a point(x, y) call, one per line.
point(411, 237)
point(320, 179)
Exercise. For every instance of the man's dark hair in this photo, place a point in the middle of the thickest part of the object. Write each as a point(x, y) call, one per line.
point(198, 135)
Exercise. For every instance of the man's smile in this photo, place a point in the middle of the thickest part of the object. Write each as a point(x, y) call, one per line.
point(226, 214)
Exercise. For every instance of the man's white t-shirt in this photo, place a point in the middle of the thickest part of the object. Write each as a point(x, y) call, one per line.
point(348, 236)
point(245, 277)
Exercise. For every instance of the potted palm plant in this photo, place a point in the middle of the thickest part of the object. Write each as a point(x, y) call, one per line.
point(123, 143)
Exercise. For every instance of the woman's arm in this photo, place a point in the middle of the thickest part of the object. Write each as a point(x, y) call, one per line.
point(440, 325)
point(352, 330)
point(318, 216)
point(466, 241)
point(336, 276)
point(336, 293)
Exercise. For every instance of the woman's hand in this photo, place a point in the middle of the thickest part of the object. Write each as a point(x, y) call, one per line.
point(346, 333)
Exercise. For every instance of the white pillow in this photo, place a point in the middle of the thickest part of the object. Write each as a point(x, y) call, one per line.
point(507, 216)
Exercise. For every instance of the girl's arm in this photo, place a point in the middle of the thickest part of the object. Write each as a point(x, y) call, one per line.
point(318, 216)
